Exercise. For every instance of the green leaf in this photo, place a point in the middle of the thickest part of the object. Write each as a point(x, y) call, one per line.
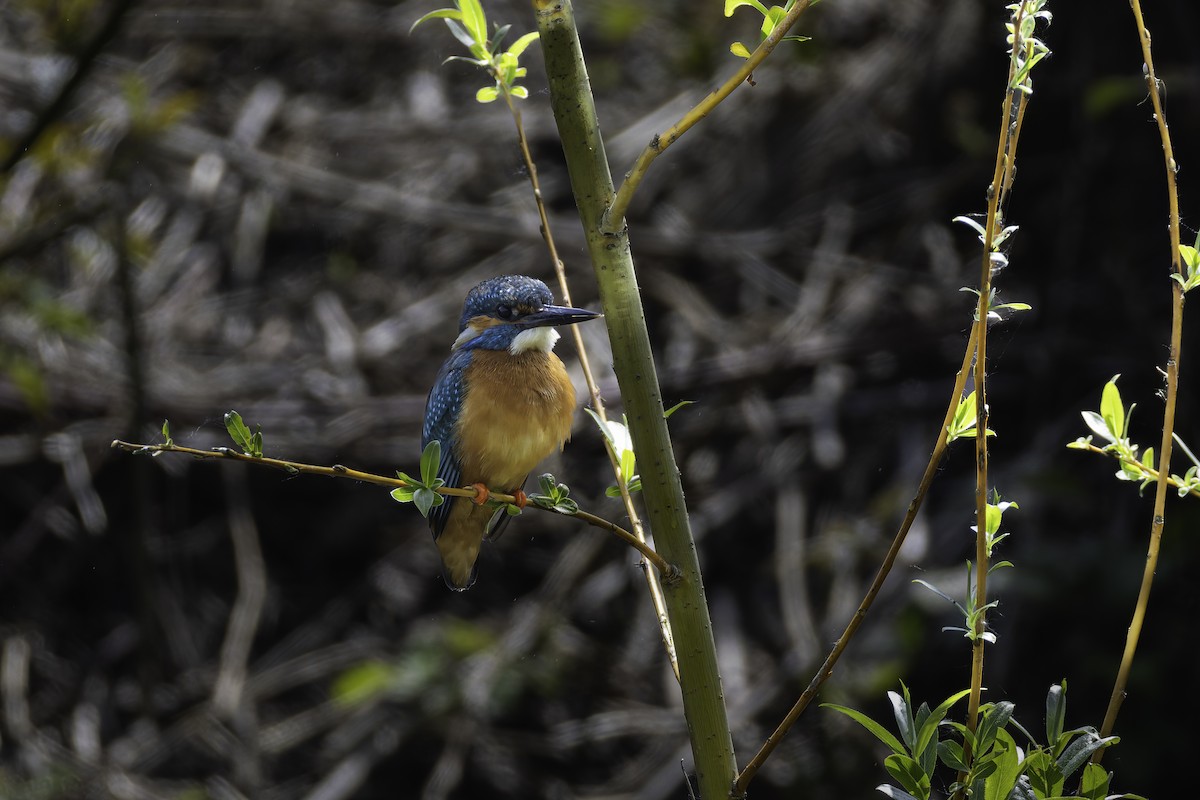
point(927, 731)
point(1094, 784)
point(734, 5)
point(521, 44)
point(1056, 713)
point(250, 443)
point(1112, 410)
point(431, 462)
point(951, 754)
point(425, 499)
point(667, 414)
point(902, 711)
point(498, 36)
point(520, 92)
point(771, 20)
point(441, 13)
point(881, 733)
point(908, 772)
point(1097, 424)
point(993, 722)
point(474, 20)
point(487, 94)
point(739, 50)
point(999, 784)
point(403, 494)
point(464, 36)
point(628, 464)
point(1080, 750)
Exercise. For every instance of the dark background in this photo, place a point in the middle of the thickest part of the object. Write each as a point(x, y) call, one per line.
point(290, 200)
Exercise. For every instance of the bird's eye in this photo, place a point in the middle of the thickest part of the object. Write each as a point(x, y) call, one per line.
point(504, 312)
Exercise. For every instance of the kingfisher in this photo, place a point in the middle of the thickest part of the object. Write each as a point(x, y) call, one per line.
point(501, 403)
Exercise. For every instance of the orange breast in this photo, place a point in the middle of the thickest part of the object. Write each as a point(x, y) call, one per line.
point(517, 410)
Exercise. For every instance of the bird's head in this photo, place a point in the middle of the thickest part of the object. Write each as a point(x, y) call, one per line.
point(514, 313)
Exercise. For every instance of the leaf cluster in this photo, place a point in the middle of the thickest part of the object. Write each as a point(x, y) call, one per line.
point(771, 18)
point(554, 496)
point(250, 443)
point(989, 762)
point(468, 24)
point(1191, 265)
point(1025, 16)
point(423, 492)
point(617, 436)
point(966, 417)
point(1111, 423)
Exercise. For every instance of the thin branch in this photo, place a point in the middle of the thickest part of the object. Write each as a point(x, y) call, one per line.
point(1172, 373)
point(652, 581)
point(1004, 170)
point(1152, 473)
point(822, 674)
point(614, 219)
point(669, 571)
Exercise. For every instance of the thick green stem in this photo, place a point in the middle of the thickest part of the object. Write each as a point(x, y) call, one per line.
point(591, 181)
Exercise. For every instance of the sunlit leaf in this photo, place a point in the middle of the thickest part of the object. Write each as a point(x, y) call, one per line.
point(881, 733)
point(520, 44)
point(734, 5)
point(739, 50)
point(1112, 410)
point(441, 13)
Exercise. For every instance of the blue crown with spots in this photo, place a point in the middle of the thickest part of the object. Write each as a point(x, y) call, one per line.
point(514, 291)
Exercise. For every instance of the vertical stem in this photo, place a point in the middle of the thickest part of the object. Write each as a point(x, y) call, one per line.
point(635, 522)
point(591, 182)
point(1002, 176)
point(1172, 373)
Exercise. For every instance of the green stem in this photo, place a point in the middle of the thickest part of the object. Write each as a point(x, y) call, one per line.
point(614, 218)
point(635, 522)
point(1172, 373)
point(633, 362)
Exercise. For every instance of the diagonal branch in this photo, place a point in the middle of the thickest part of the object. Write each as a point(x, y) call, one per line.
point(614, 219)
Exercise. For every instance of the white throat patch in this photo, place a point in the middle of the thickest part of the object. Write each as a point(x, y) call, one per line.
point(542, 339)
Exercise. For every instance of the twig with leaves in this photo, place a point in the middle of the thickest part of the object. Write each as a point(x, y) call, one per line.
point(424, 492)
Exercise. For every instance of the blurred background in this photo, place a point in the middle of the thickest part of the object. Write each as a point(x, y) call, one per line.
point(277, 206)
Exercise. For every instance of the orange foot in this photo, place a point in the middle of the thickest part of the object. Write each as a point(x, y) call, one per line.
point(520, 498)
point(481, 494)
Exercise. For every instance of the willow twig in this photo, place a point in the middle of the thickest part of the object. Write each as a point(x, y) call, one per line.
point(614, 219)
point(1158, 520)
point(668, 571)
point(826, 669)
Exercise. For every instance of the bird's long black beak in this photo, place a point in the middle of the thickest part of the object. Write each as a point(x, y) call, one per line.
point(556, 315)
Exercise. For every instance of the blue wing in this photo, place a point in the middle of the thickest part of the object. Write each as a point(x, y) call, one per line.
point(441, 416)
